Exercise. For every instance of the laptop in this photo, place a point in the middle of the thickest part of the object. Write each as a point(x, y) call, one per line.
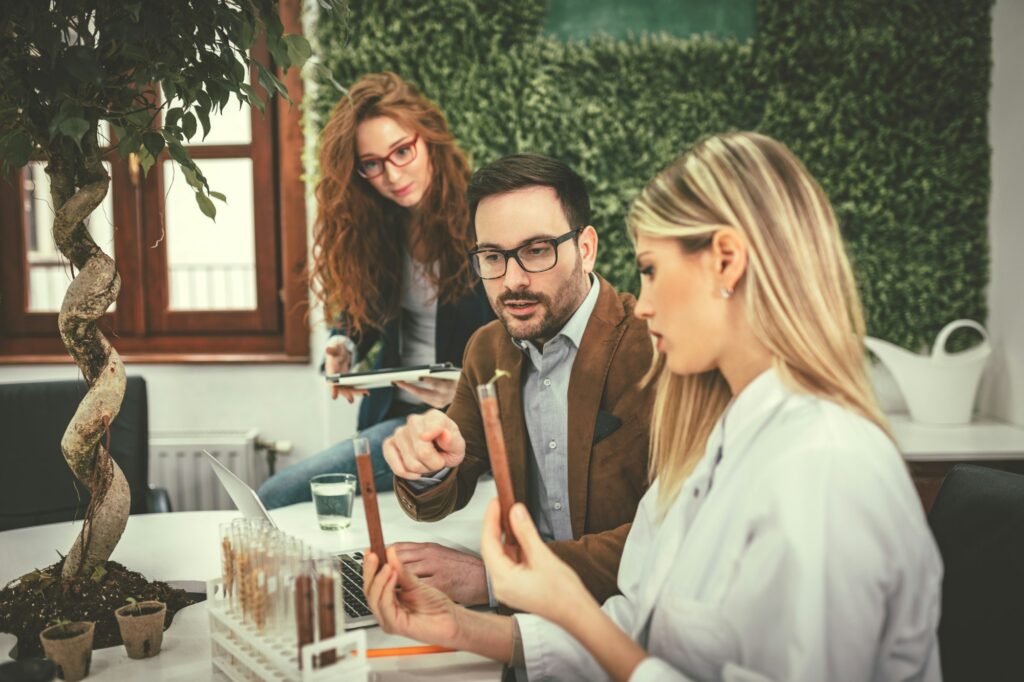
point(357, 613)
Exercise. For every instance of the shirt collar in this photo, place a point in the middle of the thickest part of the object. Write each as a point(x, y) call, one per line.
point(577, 324)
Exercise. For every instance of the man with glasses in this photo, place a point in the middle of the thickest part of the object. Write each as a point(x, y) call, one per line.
point(574, 415)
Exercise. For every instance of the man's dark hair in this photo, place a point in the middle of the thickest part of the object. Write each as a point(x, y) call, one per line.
point(520, 171)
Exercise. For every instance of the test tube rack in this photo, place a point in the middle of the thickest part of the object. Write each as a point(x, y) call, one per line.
point(243, 654)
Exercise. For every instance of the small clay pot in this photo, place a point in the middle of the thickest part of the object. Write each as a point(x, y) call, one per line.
point(70, 648)
point(142, 627)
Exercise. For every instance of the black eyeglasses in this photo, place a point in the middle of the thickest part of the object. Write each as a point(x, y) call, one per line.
point(536, 256)
point(373, 166)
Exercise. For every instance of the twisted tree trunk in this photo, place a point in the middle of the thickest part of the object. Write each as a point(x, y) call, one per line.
point(78, 184)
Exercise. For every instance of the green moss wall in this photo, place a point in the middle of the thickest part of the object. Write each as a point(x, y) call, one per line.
point(886, 103)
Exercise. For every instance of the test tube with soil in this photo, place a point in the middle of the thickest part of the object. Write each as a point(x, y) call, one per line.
point(491, 413)
point(368, 490)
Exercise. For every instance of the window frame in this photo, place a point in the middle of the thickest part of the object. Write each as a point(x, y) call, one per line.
point(142, 328)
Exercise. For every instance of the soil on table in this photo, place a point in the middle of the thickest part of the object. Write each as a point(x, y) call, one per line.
point(34, 601)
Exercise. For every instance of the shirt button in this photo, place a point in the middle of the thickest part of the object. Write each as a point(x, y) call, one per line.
point(696, 493)
point(547, 382)
point(558, 506)
point(552, 445)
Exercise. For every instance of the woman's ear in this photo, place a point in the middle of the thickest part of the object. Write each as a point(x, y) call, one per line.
point(729, 255)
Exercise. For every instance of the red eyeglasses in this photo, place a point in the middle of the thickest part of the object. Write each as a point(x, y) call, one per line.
point(373, 166)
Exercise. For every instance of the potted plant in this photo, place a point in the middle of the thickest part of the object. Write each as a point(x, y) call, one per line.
point(69, 645)
point(142, 627)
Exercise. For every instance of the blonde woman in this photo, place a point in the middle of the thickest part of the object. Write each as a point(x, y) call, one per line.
point(781, 538)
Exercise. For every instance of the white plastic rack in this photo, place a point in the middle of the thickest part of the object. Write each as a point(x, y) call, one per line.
point(243, 654)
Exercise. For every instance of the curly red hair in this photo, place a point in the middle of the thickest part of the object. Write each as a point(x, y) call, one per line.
point(358, 235)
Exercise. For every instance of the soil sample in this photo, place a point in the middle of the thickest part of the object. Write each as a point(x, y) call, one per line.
point(488, 395)
point(69, 646)
point(368, 488)
point(142, 627)
point(303, 611)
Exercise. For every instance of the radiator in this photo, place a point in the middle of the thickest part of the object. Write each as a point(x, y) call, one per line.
point(177, 463)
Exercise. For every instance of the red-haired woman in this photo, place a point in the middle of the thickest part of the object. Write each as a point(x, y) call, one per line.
point(390, 262)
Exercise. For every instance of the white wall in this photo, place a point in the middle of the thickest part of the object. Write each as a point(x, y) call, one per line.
point(1002, 393)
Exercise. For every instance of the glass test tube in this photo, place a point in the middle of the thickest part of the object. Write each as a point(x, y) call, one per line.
point(488, 395)
point(368, 491)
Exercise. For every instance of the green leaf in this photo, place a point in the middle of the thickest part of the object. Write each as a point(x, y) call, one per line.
point(326, 74)
point(154, 142)
point(246, 33)
point(219, 195)
point(252, 96)
point(146, 160)
point(74, 128)
point(206, 206)
point(298, 49)
point(81, 63)
point(192, 178)
point(98, 573)
point(16, 148)
point(179, 154)
point(68, 109)
point(270, 82)
point(173, 116)
point(188, 125)
point(279, 51)
point(140, 117)
point(204, 119)
point(129, 144)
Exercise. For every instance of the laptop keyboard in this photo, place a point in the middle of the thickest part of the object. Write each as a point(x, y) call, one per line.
point(352, 585)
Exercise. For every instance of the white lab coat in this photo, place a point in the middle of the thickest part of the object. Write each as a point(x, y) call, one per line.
point(808, 559)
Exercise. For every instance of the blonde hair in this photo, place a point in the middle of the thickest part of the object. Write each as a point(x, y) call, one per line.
point(799, 294)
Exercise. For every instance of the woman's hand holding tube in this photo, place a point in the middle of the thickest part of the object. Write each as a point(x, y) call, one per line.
point(417, 610)
point(540, 583)
point(543, 584)
point(407, 606)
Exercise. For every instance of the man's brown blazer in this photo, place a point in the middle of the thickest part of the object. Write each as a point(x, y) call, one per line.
point(607, 478)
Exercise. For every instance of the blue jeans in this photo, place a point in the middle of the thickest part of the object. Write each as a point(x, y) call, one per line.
point(291, 484)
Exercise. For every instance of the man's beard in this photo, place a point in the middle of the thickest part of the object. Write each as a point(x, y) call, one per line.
point(553, 312)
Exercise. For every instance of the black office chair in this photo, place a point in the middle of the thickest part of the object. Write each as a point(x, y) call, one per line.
point(978, 522)
point(36, 485)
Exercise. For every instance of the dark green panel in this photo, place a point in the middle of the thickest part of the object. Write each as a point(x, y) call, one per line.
point(578, 19)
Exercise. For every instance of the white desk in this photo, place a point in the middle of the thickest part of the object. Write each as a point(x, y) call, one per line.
point(185, 546)
point(984, 440)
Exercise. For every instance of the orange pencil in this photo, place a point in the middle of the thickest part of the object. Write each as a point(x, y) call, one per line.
point(407, 651)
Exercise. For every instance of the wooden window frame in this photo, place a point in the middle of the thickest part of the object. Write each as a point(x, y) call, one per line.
point(142, 328)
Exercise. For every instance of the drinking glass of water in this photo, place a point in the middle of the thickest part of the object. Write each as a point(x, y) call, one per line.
point(333, 495)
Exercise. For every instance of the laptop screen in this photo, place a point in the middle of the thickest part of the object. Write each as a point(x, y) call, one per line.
point(244, 497)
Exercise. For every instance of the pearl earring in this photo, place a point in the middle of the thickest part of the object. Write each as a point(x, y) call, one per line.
point(726, 293)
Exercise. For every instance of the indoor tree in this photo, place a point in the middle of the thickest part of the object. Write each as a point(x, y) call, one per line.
point(156, 71)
